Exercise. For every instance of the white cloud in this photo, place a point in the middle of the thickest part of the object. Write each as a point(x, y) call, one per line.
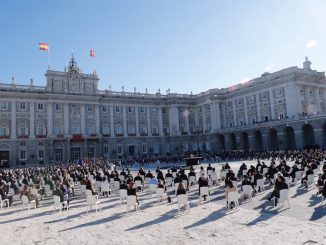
point(311, 44)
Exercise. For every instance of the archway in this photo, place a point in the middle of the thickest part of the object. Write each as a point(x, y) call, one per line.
point(244, 141)
point(258, 140)
point(308, 136)
point(324, 134)
point(272, 139)
point(289, 138)
point(4, 155)
point(220, 142)
point(233, 141)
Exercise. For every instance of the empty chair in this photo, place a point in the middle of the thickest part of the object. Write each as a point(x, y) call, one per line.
point(58, 203)
point(284, 196)
point(247, 191)
point(138, 184)
point(47, 190)
point(105, 189)
point(28, 203)
point(265, 170)
point(123, 195)
point(122, 177)
point(83, 189)
point(223, 174)
point(260, 185)
point(287, 181)
point(183, 201)
point(132, 201)
point(147, 179)
point(204, 193)
point(244, 172)
point(98, 186)
point(169, 181)
point(310, 180)
point(232, 197)
point(92, 200)
point(192, 180)
point(160, 194)
point(315, 172)
point(209, 172)
point(152, 188)
point(298, 176)
point(3, 201)
point(116, 185)
point(215, 178)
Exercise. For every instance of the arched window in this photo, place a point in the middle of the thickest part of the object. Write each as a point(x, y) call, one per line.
point(58, 126)
point(23, 128)
point(90, 129)
point(118, 129)
point(75, 126)
point(4, 129)
point(105, 128)
point(131, 129)
point(40, 129)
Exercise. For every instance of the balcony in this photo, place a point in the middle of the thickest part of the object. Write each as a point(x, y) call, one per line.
point(105, 135)
point(155, 134)
point(77, 138)
point(4, 137)
point(119, 135)
point(40, 136)
point(22, 136)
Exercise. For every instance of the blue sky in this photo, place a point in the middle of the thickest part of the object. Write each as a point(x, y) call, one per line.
point(184, 45)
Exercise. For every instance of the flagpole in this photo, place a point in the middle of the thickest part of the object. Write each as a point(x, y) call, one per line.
point(49, 57)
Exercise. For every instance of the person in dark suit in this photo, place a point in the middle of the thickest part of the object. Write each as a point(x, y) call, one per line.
point(131, 190)
point(246, 181)
point(280, 184)
point(203, 182)
point(181, 189)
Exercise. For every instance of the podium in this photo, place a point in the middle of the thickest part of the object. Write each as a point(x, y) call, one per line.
point(193, 160)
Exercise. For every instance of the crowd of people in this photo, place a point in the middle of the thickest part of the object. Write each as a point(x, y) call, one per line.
point(62, 179)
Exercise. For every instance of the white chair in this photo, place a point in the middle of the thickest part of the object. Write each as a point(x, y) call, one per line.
point(122, 177)
point(260, 185)
point(223, 174)
point(287, 181)
point(123, 195)
point(92, 200)
point(235, 184)
point(47, 190)
point(174, 174)
point(169, 181)
point(265, 170)
point(28, 203)
point(209, 172)
point(183, 201)
point(116, 185)
point(192, 180)
point(244, 172)
point(310, 180)
point(284, 196)
point(98, 185)
point(3, 201)
point(138, 184)
point(247, 191)
point(315, 171)
point(298, 176)
point(83, 190)
point(105, 188)
point(185, 183)
point(132, 201)
point(232, 197)
point(57, 203)
point(147, 179)
point(160, 194)
point(35, 192)
point(204, 193)
point(176, 185)
point(152, 188)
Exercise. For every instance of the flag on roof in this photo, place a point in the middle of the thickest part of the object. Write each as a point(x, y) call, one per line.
point(43, 46)
point(92, 53)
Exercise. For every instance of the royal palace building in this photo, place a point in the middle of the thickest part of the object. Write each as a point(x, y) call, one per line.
point(70, 119)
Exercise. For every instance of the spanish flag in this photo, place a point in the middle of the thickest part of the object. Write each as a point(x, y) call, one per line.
point(43, 46)
point(92, 53)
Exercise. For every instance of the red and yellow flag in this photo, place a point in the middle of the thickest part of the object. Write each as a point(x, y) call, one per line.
point(92, 53)
point(43, 46)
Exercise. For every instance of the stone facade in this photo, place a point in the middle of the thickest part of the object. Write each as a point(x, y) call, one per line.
point(70, 118)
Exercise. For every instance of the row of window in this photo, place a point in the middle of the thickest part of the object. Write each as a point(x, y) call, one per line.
point(23, 154)
point(22, 106)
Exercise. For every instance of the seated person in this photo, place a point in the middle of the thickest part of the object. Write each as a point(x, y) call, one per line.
point(31, 197)
point(131, 190)
point(181, 189)
point(229, 188)
point(280, 184)
point(203, 182)
point(168, 174)
point(4, 193)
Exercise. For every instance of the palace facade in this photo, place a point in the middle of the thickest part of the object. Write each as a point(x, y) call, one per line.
point(70, 119)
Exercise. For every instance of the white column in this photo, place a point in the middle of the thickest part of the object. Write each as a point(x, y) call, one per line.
point(187, 122)
point(97, 119)
point(214, 116)
point(13, 120)
point(258, 108)
point(196, 117)
point(82, 120)
point(160, 122)
point(66, 119)
point(112, 121)
point(271, 100)
point(149, 128)
point(317, 100)
point(32, 120)
point(137, 121)
point(245, 110)
point(235, 121)
point(174, 121)
point(124, 121)
point(203, 109)
point(218, 115)
point(50, 119)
